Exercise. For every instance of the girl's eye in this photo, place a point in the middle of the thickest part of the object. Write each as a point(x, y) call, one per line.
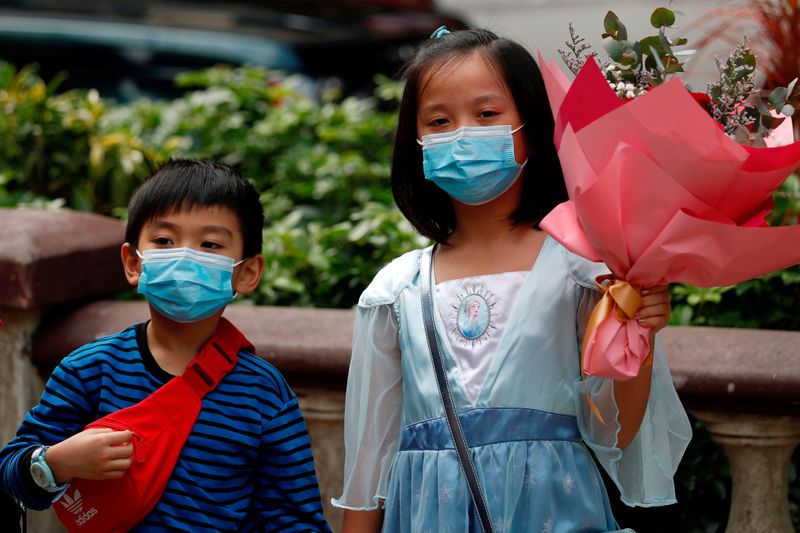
point(211, 245)
point(162, 241)
point(488, 114)
point(438, 122)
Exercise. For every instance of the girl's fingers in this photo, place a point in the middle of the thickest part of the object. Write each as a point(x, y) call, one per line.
point(653, 310)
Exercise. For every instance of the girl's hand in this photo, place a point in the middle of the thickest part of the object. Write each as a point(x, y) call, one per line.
point(96, 453)
point(655, 309)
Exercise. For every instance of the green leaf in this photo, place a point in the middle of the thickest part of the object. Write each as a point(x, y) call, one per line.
point(614, 27)
point(778, 97)
point(790, 87)
point(662, 17)
point(651, 43)
point(657, 59)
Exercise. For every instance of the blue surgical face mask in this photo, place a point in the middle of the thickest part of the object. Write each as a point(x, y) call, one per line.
point(186, 285)
point(474, 165)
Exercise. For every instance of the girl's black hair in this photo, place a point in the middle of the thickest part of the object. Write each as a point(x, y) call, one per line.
point(425, 205)
point(183, 184)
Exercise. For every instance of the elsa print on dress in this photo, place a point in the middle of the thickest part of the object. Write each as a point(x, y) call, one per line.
point(473, 316)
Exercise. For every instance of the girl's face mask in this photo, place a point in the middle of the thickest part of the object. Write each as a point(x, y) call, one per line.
point(474, 165)
point(186, 285)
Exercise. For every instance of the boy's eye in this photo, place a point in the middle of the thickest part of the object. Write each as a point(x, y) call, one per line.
point(162, 241)
point(488, 114)
point(211, 245)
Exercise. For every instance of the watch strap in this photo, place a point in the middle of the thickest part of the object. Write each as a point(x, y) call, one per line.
point(39, 457)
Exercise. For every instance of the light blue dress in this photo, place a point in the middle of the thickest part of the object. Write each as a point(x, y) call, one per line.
point(529, 429)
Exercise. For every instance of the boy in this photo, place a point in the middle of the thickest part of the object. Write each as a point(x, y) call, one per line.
point(193, 240)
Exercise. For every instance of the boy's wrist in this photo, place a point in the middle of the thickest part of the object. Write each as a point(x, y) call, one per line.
point(55, 460)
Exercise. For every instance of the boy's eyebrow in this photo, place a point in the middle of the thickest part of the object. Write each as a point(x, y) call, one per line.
point(217, 229)
point(163, 224)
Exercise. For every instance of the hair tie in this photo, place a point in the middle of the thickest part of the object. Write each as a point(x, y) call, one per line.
point(439, 32)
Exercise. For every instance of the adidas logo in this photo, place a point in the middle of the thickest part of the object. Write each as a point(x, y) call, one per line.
point(74, 503)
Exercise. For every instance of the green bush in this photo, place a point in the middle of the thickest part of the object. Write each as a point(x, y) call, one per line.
point(323, 168)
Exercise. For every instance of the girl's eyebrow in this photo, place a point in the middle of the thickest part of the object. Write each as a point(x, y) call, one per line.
point(480, 99)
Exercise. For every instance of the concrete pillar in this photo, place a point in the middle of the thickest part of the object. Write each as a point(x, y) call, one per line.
point(759, 449)
point(20, 383)
point(323, 411)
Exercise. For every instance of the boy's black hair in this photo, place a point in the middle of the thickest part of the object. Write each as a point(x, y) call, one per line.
point(428, 207)
point(187, 183)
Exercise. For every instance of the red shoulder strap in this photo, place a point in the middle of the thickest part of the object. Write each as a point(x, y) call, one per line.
point(216, 358)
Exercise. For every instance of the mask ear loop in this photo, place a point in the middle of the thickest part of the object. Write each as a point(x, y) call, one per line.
point(237, 263)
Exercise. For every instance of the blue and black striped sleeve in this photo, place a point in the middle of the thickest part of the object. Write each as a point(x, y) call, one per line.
point(287, 494)
point(62, 412)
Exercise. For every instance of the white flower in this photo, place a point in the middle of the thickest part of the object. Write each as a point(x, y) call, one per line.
point(630, 94)
point(629, 87)
point(620, 86)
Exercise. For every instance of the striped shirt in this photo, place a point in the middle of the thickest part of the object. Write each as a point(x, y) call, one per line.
point(247, 465)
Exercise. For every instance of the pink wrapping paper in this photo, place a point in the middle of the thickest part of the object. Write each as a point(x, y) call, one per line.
point(660, 194)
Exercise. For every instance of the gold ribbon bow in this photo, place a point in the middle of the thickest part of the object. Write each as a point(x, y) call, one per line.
point(628, 300)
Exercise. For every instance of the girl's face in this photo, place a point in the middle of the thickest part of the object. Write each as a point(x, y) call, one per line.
point(466, 91)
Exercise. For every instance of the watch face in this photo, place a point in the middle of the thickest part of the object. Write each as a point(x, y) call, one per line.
point(39, 475)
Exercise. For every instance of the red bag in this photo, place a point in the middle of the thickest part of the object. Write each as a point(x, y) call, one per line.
point(160, 425)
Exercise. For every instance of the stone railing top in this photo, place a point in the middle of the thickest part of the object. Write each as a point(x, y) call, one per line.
point(713, 368)
point(310, 343)
point(748, 370)
point(49, 257)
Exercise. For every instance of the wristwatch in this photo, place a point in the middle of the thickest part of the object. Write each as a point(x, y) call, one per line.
point(42, 475)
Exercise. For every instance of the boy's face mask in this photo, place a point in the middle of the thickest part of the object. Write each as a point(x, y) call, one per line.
point(474, 164)
point(186, 285)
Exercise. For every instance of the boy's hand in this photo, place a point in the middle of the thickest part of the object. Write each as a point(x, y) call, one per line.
point(655, 309)
point(96, 453)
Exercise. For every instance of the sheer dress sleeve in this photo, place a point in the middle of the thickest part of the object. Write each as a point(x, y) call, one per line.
point(372, 408)
point(643, 472)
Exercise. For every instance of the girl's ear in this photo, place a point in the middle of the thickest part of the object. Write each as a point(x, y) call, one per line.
point(249, 275)
point(131, 264)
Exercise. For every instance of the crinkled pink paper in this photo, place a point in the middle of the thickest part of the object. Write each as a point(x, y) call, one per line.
point(660, 194)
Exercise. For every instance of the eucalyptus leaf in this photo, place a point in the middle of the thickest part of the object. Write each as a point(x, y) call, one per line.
point(790, 87)
point(787, 110)
point(778, 97)
point(662, 17)
point(614, 27)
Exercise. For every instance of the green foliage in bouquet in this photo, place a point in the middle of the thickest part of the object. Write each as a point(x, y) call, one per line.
point(634, 67)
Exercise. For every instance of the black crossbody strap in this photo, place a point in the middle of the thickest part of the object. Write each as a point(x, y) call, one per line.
point(464, 457)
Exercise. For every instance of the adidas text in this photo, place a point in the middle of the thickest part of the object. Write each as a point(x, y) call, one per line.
point(85, 517)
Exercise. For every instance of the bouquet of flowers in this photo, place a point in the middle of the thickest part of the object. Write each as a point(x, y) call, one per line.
point(665, 185)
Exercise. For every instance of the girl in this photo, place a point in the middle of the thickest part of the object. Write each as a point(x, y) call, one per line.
point(475, 169)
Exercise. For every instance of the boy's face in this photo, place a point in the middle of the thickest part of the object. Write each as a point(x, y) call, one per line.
point(214, 229)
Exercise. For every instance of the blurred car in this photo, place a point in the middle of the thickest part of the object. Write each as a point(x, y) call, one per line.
point(129, 49)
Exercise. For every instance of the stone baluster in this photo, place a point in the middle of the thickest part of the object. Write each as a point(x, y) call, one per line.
point(743, 384)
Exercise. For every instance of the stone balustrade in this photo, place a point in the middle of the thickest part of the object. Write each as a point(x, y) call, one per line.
point(742, 383)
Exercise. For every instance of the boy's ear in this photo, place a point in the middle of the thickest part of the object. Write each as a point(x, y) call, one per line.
point(249, 275)
point(131, 264)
